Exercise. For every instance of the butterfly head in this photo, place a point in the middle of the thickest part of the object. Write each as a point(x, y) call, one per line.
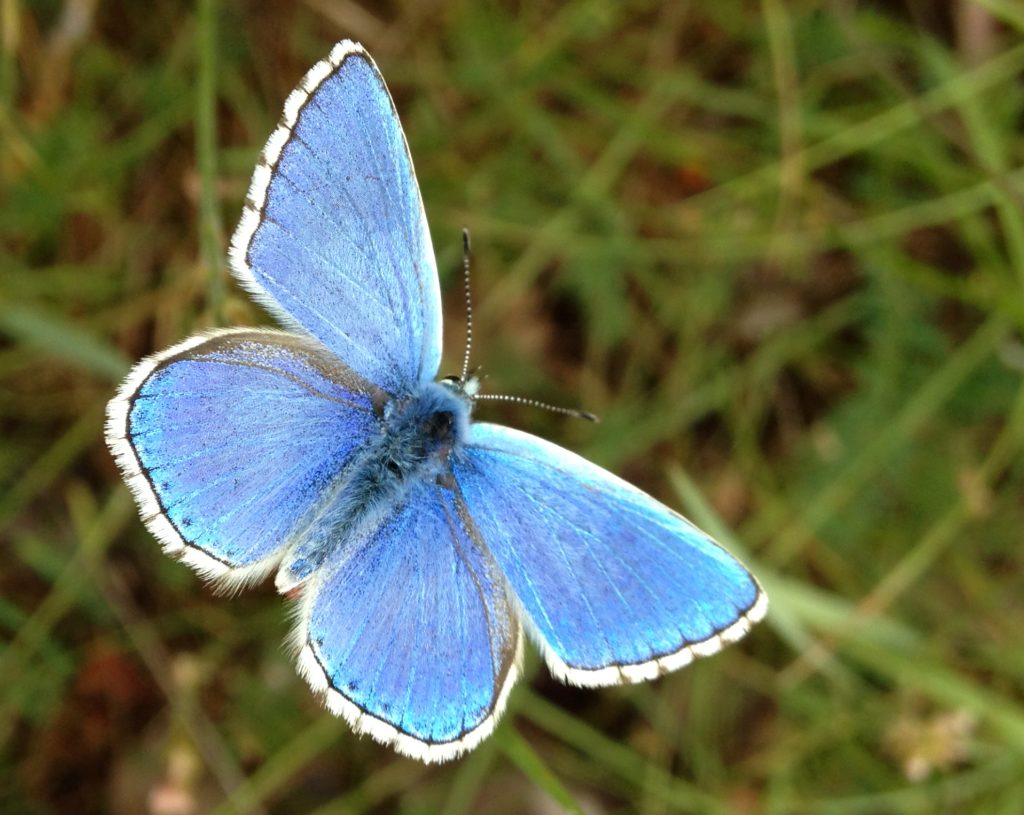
point(467, 386)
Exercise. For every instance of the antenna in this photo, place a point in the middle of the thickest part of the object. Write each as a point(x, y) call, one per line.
point(496, 397)
point(469, 305)
point(519, 400)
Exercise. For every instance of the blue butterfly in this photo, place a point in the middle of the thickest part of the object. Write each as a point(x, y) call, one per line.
point(419, 543)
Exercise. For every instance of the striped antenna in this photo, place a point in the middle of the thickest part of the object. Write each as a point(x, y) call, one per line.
point(469, 305)
point(464, 379)
point(519, 400)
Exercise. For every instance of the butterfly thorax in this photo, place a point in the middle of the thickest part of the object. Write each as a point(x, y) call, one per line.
point(416, 439)
point(420, 432)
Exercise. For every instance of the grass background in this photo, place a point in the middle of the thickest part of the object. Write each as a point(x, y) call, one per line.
point(778, 246)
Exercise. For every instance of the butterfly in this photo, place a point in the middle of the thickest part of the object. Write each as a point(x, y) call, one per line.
point(420, 544)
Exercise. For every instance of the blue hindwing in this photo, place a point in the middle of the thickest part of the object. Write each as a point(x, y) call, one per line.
point(411, 630)
point(229, 439)
point(616, 586)
point(333, 238)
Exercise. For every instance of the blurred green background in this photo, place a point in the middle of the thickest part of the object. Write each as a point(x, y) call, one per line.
point(777, 246)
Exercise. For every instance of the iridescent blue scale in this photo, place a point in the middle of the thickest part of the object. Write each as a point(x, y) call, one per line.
point(419, 544)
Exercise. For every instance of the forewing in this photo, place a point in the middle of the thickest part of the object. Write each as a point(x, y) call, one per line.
point(333, 238)
point(228, 439)
point(411, 630)
point(615, 586)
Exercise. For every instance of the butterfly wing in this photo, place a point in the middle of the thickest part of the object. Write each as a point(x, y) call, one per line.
point(615, 586)
point(333, 238)
point(411, 630)
point(229, 439)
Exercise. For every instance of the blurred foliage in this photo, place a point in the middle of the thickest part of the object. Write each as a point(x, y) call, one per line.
point(778, 246)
